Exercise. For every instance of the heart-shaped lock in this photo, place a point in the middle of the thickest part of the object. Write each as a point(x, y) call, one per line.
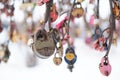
point(43, 44)
point(70, 56)
point(77, 11)
point(57, 59)
point(53, 13)
point(105, 67)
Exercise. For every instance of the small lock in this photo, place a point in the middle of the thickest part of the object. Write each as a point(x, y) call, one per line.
point(57, 58)
point(105, 67)
point(4, 53)
point(70, 56)
point(43, 44)
point(116, 10)
point(77, 11)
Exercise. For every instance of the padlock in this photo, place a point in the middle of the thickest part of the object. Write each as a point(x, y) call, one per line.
point(77, 11)
point(116, 10)
point(43, 44)
point(57, 59)
point(105, 67)
point(70, 56)
point(4, 53)
point(53, 13)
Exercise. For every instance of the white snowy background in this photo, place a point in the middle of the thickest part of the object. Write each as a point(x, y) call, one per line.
point(86, 67)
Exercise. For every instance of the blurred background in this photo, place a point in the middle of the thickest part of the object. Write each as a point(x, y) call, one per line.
point(24, 65)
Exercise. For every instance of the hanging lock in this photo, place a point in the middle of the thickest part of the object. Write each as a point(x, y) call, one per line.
point(57, 58)
point(4, 53)
point(116, 10)
point(43, 45)
point(78, 11)
point(70, 58)
point(105, 67)
point(53, 13)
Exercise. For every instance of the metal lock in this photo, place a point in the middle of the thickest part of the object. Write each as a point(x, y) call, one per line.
point(105, 67)
point(77, 11)
point(70, 56)
point(43, 45)
point(57, 59)
point(4, 53)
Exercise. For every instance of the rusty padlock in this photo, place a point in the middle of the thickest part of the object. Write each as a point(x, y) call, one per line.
point(77, 11)
point(43, 45)
point(105, 67)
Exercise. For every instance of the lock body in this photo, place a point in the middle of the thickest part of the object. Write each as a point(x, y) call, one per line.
point(43, 44)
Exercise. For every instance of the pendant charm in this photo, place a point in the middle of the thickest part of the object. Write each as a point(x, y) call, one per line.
point(70, 58)
point(77, 11)
point(57, 58)
point(105, 67)
point(43, 45)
